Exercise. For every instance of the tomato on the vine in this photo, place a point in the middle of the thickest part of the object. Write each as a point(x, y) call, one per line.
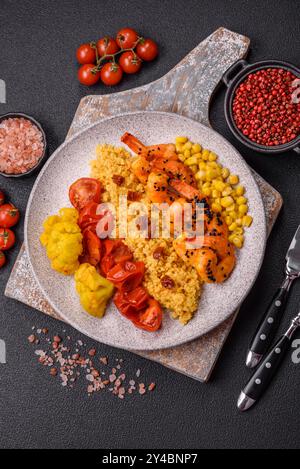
point(147, 50)
point(85, 54)
point(126, 38)
point(130, 62)
point(111, 74)
point(7, 239)
point(106, 46)
point(87, 75)
point(2, 259)
point(9, 215)
point(1, 198)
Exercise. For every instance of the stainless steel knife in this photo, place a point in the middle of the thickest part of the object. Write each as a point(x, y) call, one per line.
point(267, 329)
point(266, 371)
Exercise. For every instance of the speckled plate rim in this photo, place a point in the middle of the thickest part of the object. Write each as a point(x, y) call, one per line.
point(195, 334)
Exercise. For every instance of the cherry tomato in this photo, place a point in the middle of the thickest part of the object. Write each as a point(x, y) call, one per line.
point(111, 74)
point(86, 54)
point(126, 38)
point(106, 46)
point(88, 216)
point(147, 50)
point(129, 303)
point(9, 215)
point(1, 198)
point(84, 191)
point(115, 252)
point(7, 239)
point(86, 76)
point(2, 259)
point(151, 319)
point(126, 276)
point(130, 62)
point(92, 248)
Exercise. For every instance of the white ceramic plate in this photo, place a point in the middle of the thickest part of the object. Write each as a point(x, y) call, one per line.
point(50, 192)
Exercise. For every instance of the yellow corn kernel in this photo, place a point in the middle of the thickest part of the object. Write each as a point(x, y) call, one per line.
point(186, 153)
point(238, 241)
point(190, 159)
point(239, 221)
point(194, 168)
point(206, 191)
point(218, 200)
point(247, 220)
point(240, 190)
point(227, 191)
point(243, 209)
point(233, 214)
point(181, 157)
point(216, 207)
point(239, 230)
point(241, 200)
point(225, 173)
point(228, 220)
point(231, 208)
point(179, 148)
point(201, 175)
point(187, 146)
point(181, 139)
point(216, 194)
point(206, 184)
point(212, 164)
point(210, 174)
point(205, 155)
point(212, 156)
point(196, 155)
point(196, 148)
point(227, 201)
point(232, 227)
point(233, 179)
point(202, 165)
point(220, 185)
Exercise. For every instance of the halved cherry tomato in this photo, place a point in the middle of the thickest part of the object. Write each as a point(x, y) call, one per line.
point(2, 259)
point(106, 46)
point(89, 218)
point(130, 62)
point(9, 215)
point(129, 303)
point(7, 239)
point(126, 38)
point(87, 75)
point(114, 252)
point(92, 248)
point(84, 191)
point(126, 276)
point(1, 198)
point(151, 319)
point(147, 50)
point(111, 74)
point(86, 54)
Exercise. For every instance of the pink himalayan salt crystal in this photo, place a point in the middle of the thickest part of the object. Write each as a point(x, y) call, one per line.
point(21, 145)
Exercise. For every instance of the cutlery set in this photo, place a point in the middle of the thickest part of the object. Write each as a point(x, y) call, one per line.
point(268, 362)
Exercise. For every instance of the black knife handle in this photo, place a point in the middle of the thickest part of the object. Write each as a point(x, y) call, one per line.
point(269, 326)
point(267, 369)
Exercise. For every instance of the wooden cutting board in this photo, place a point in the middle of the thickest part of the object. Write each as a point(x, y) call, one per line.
point(187, 90)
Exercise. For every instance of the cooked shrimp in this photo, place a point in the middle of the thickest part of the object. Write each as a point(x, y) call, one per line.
point(157, 188)
point(214, 264)
point(141, 168)
point(164, 150)
point(209, 268)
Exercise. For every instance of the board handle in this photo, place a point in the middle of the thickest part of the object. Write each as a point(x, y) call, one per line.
point(237, 66)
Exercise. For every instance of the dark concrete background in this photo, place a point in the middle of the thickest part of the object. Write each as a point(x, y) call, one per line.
point(37, 45)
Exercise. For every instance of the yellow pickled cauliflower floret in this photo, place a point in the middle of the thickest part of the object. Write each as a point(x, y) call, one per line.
point(93, 289)
point(62, 239)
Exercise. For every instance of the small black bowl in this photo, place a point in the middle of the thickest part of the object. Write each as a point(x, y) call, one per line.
point(38, 125)
point(232, 78)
